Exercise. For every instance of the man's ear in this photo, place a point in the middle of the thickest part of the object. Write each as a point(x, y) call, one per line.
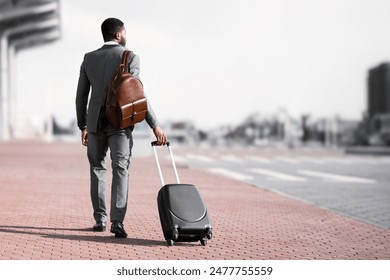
point(118, 36)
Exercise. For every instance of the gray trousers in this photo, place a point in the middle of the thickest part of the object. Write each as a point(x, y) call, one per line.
point(120, 143)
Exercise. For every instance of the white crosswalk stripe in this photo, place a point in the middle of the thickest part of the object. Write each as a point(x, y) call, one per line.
point(286, 159)
point(258, 159)
point(214, 157)
point(231, 174)
point(312, 160)
point(180, 160)
point(335, 177)
point(385, 160)
point(200, 158)
point(304, 175)
point(231, 158)
point(341, 160)
point(273, 175)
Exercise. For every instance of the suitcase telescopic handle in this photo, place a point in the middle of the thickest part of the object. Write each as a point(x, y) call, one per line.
point(154, 144)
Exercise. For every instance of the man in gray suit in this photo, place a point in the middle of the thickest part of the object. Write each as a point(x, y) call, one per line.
point(98, 135)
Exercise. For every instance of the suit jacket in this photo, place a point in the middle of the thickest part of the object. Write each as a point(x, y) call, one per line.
point(96, 72)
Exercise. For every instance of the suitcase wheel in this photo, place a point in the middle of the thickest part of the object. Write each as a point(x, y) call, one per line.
point(203, 241)
point(209, 234)
point(170, 242)
point(175, 234)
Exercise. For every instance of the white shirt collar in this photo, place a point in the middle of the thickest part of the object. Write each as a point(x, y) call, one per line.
point(111, 43)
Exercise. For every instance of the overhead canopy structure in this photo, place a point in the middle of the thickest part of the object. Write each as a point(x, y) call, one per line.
point(23, 24)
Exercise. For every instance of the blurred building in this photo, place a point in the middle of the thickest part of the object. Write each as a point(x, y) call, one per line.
point(264, 130)
point(377, 122)
point(23, 24)
point(379, 90)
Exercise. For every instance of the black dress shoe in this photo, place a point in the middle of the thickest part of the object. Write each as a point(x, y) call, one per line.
point(99, 226)
point(117, 228)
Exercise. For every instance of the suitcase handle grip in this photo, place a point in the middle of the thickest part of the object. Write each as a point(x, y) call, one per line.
point(154, 144)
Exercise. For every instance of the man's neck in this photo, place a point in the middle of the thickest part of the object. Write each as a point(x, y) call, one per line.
point(111, 43)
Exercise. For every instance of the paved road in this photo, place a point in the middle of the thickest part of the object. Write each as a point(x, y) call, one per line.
point(354, 186)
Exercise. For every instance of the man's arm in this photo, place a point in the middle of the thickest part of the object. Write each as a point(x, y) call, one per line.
point(82, 94)
point(134, 65)
point(134, 69)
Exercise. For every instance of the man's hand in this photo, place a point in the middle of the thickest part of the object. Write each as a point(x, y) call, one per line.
point(84, 137)
point(160, 135)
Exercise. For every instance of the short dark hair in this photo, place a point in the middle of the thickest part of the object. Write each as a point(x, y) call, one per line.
point(110, 27)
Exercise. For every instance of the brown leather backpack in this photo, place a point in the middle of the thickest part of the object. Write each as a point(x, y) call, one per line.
point(125, 102)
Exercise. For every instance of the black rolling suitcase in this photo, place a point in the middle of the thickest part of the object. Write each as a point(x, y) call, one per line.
point(183, 215)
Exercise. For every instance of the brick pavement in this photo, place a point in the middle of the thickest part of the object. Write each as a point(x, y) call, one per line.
point(46, 214)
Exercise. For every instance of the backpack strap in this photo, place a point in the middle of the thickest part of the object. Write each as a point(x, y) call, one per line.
point(125, 60)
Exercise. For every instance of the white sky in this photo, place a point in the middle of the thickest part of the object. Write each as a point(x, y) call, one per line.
point(215, 62)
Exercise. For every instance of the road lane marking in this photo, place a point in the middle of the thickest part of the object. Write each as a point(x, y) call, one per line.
point(313, 160)
point(371, 161)
point(385, 160)
point(258, 159)
point(353, 160)
point(335, 177)
point(179, 159)
point(200, 158)
point(286, 159)
point(231, 158)
point(231, 174)
point(277, 175)
point(345, 161)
